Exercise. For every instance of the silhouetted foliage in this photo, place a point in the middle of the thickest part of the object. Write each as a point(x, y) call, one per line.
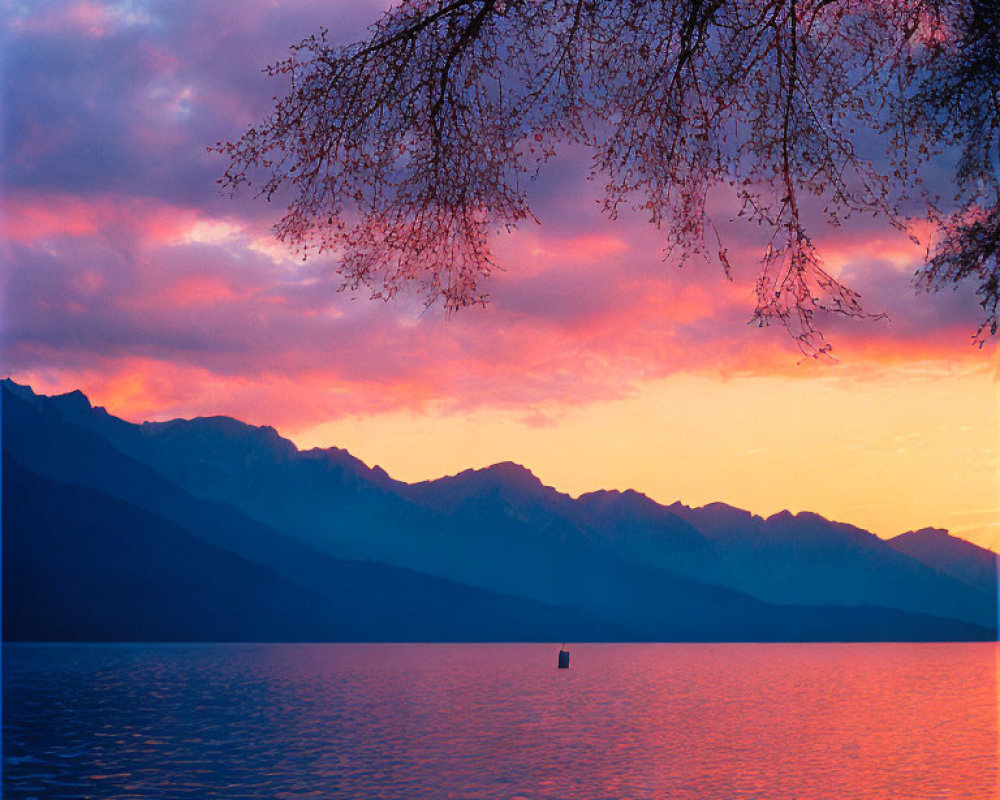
point(407, 152)
point(959, 103)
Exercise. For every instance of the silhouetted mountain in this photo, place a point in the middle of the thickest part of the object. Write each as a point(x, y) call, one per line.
point(642, 530)
point(79, 565)
point(328, 503)
point(620, 560)
point(114, 495)
point(324, 497)
point(956, 557)
point(511, 483)
point(804, 558)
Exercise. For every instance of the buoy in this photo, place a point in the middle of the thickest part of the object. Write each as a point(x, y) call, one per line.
point(563, 658)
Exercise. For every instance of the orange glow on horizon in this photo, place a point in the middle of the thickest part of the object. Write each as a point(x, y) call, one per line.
point(889, 454)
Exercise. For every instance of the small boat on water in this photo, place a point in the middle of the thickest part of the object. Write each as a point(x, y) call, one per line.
point(563, 658)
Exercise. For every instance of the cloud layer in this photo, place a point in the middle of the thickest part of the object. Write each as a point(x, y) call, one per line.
point(127, 274)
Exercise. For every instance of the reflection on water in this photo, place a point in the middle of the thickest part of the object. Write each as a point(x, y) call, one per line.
point(500, 721)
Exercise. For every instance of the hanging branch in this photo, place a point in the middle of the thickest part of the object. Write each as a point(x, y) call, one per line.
point(406, 154)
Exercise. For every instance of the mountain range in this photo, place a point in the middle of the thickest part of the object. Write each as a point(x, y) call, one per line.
point(214, 530)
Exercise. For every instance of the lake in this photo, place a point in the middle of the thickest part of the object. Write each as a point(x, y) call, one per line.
point(677, 721)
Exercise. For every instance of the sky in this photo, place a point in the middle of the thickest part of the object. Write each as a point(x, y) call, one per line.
point(598, 364)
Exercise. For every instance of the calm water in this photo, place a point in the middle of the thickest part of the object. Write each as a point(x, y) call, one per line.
point(499, 721)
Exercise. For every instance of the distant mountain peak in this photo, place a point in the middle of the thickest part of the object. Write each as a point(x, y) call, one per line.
point(74, 398)
point(222, 431)
point(617, 493)
point(506, 479)
point(928, 533)
point(506, 473)
point(219, 424)
point(616, 498)
point(512, 471)
point(723, 508)
point(717, 511)
point(937, 538)
point(952, 555)
point(20, 389)
point(338, 456)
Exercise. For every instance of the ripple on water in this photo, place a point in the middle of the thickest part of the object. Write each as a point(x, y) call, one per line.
point(499, 721)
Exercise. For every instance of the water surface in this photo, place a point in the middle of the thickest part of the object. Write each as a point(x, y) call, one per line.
point(773, 722)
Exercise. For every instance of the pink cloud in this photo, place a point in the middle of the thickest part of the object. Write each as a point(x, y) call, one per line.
point(89, 19)
point(32, 217)
point(537, 419)
point(165, 309)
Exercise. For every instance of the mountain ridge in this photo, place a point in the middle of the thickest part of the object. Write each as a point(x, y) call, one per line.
point(78, 398)
point(664, 571)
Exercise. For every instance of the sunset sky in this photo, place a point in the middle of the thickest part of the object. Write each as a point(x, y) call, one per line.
point(597, 365)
